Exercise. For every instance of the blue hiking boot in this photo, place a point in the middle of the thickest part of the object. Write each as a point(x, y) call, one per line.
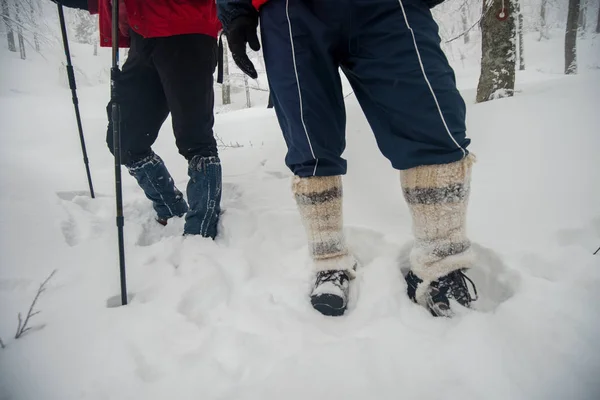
point(154, 178)
point(204, 196)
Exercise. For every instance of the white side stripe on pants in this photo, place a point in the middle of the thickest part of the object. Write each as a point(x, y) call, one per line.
point(287, 13)
point(427, 80)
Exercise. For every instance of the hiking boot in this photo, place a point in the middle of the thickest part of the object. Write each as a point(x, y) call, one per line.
point(436, 296)
point(330, 293)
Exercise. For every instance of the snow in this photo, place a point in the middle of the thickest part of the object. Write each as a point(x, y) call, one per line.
point(230, 319)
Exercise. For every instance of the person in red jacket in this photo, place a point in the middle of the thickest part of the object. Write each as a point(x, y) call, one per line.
point(169, 69)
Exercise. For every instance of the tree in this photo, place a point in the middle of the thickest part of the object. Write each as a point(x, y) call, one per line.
point(36, 39)
point(521, 42)
point(497, 78)
point(598, 24)
point(10, 35)
point(463, 19)
point(31, 29)
point(226, 86)
point(543, 33)
point(86, 29)
point(248, 102)
point(20, 32)
point(571, 38)
point(581, 20)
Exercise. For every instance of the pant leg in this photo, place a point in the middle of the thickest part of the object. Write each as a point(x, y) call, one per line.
point(404, 83)
point(185, 64)
point(408, 92)
point(143, 104)
point(300, 47)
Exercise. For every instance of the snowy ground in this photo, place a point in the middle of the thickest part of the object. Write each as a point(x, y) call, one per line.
point(230, 320)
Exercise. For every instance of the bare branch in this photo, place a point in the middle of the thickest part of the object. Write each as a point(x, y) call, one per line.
point(45, 38)
point(483, 14)
point(2, 344)
point(20, 324)
point(222, 144)
point(22, 328)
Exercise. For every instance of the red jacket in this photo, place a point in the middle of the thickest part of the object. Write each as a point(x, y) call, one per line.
point(258, 3)
point(157, 18)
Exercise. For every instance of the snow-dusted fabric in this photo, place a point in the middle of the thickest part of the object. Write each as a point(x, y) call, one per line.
point(155, 180)
point(319, 201)
point(437, 196)
point(204, 196)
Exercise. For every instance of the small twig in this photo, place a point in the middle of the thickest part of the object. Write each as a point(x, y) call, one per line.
point(230, 145)
point(465, 32)
point(2, 344)
point(22, 327)
point(596, 252)
point(18, 326)
point(483, 14)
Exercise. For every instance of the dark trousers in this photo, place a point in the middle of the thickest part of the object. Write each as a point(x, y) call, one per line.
point(390, 52)
point(161, 75)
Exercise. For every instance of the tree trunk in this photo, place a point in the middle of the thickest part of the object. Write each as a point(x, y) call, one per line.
point(20, 32)
point(95, 47)
point(497, 78)
point(10, 35)
point(270, 101)
point(36, 39)
point(463, 18)
point(248, 102)
point(571, 38)
point(521, 42)
point(598, 23)
point(581, 20)
point(226, 86)
point(543, 21)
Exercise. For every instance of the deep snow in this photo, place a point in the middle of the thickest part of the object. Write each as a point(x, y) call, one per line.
point(230, 319)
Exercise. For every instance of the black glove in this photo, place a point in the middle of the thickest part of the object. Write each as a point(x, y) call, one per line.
point(80, 4)
point(240, 31)
point(433, 3)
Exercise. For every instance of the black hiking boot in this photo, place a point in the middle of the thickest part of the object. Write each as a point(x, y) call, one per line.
point(436, 298)
point(162, 221)
point(330, 293)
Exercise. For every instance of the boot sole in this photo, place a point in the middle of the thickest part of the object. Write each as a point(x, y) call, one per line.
point(329, 305)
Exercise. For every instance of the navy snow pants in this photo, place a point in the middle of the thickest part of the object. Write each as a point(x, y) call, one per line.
point(390, 52)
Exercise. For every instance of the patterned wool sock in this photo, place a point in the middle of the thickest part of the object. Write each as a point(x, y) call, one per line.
point(437, 196)
point(319, 200)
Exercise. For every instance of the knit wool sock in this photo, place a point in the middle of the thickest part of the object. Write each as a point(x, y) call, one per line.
point(437, 196)
point(319, 200)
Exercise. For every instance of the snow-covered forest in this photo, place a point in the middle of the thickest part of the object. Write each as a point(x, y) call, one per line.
point(229, 319)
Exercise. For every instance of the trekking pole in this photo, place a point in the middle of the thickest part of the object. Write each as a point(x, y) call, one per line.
point(73, 87)
point(116, 124)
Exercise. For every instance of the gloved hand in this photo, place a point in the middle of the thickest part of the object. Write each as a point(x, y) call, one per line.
point(240, 31)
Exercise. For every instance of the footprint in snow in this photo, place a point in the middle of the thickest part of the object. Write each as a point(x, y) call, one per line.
point(278, 174)
point(587, 237)
point(231, 196)
point(144, 369)
point(83, 219)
